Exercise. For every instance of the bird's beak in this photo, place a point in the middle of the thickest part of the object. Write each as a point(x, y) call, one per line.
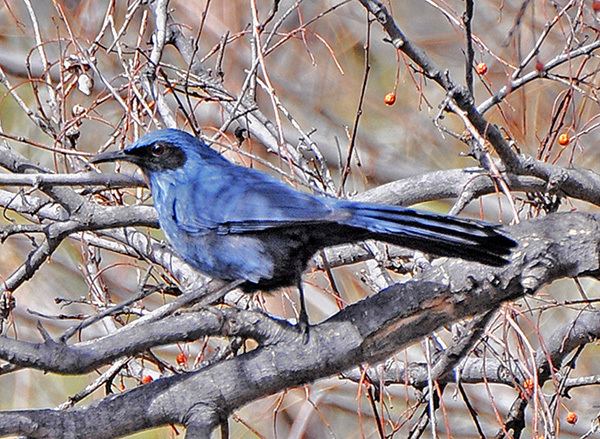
point(111, 156)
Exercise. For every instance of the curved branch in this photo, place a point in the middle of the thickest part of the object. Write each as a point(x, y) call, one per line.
point(58, 357)
point(581, 330)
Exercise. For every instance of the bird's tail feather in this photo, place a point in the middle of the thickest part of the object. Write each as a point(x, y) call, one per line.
point(441, 235)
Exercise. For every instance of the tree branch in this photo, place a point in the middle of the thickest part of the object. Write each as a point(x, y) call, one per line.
point(554, 247)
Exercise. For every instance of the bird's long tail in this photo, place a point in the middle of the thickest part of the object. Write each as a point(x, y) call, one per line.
point(441, 235)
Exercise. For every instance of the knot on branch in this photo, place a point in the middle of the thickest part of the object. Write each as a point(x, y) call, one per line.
point(463, 97)
point(558, 177)
point(201, 418)
point(7, 304)
point(379, 11)
point(535, 271)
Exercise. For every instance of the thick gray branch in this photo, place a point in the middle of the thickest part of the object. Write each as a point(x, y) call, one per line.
point(583, 329)
point(82, 357)
point(557, 246)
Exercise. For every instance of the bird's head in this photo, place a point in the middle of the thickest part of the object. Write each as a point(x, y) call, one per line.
point(162, 151)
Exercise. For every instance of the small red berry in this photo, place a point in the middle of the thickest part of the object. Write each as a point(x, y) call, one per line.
point(147, 379)
point(181, 359)
point(539, 66)
point(481, 68)
point(572, 418)
point(390, 98)
point(563, 139)
point(596, 6)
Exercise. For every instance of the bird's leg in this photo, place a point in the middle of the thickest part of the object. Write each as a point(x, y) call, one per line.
point(303, 324)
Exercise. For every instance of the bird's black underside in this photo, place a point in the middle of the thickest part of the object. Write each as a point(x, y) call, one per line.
point(294, 247)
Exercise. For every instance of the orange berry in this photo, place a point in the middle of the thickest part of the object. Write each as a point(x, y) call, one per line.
point(147, 379)
point(564, 139)
point(528, 385)
point(572, 418)
point(390, 98)
point(181, 359)
point(481, 68)
point(596, 5)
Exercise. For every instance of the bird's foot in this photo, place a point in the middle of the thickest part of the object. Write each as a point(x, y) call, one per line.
point(304, 328)
point(303, 324)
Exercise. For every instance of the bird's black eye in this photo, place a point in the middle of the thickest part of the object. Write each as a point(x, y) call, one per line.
point(158, 149)
point(160, 156)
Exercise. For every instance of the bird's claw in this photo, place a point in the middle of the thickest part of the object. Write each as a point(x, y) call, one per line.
point(304, 328)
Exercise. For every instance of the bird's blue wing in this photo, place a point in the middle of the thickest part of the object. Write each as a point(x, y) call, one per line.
point(241, 200)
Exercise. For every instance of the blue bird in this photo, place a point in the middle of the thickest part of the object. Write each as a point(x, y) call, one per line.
point(236, 223)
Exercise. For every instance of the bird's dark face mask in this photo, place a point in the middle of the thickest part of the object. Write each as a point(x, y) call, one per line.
point(155, 157)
